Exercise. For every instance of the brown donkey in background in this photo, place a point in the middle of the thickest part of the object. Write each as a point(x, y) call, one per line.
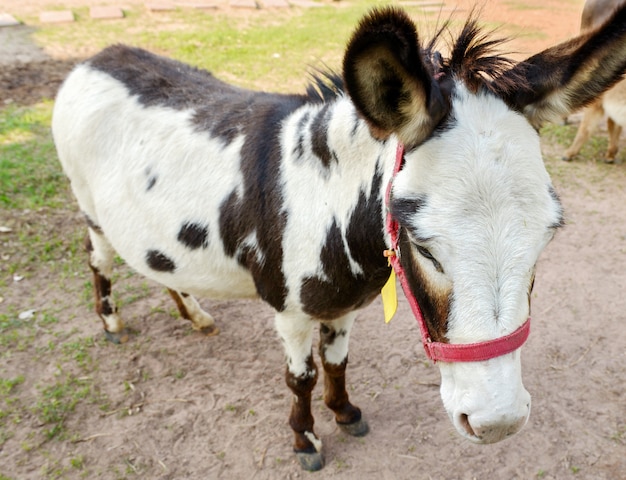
point(612, 103)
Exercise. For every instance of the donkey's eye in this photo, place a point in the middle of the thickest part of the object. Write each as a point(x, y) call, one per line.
point(426, 254)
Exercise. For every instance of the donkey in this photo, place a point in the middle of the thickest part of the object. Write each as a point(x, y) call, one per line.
point(218, 191)
point(612, 103)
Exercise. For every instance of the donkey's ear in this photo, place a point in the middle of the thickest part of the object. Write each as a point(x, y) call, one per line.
point(386, 77)
point(564, 78)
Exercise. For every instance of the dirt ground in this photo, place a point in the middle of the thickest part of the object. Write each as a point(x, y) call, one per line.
point(184, 406)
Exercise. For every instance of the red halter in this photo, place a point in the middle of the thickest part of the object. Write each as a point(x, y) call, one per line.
point(438, 351)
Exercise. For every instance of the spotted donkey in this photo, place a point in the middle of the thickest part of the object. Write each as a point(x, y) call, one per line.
point(217, 191)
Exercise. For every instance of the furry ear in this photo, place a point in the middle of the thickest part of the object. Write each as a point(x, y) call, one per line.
point(385, 75)
point(568, 76)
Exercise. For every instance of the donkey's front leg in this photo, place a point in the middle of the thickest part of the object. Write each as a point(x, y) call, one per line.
point(334, 338)
point(296, 332)
point(101, 256)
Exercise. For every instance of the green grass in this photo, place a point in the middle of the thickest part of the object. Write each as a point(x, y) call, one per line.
point(587, 166)
point(30, 176)
point(561, 134)
point(58, 400)
point(15, 334)
point(57, 397)
point(263, 49)
point(7, 385)
point(9, 406)
point(55, 403)
point(564, 135)
point(78, 350)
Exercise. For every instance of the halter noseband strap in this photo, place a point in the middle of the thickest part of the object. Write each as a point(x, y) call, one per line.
point(438, 351)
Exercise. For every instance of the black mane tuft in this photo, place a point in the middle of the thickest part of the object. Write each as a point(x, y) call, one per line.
point(325, 85)
point(475, 59)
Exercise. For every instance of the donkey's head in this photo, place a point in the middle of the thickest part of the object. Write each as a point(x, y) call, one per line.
point(473, 199)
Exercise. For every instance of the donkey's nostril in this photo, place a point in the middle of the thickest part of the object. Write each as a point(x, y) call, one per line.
point(488, 430)
point(464, 421)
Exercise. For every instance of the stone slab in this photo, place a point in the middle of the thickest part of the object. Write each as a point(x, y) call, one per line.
point(106, 12)
point(7, 20)
point(243, 4)
point(56, 16)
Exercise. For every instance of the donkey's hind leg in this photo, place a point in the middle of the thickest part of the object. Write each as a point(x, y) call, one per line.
point(101, 256)
point(190, 309)
point(333, 349)
point(591, 116)
point(615, 130)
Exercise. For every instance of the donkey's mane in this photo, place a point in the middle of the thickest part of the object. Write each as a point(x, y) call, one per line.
point(475, 60)
point(325, 85)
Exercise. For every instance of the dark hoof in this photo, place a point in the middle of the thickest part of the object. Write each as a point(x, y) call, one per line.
point(360, 428)
point(209, 331)
point(311, 462)
point(566, 159)
point(610, 161)
point(117, 337)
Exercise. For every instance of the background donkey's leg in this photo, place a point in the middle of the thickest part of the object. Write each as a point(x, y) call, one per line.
point(334, 338)
point(190, 309)
point(615, 130)
point(296, 332)
point(101, 256)
point(591, 116)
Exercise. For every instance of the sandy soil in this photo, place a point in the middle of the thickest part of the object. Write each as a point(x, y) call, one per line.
point(187, 406)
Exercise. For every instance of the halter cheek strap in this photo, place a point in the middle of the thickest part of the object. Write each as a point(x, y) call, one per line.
point(439, 351)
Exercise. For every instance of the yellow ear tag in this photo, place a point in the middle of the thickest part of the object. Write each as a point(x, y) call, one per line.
point(390, 297)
